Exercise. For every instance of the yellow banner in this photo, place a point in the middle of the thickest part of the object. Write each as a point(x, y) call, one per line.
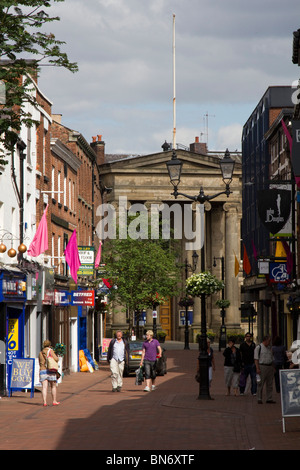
point(13, 334)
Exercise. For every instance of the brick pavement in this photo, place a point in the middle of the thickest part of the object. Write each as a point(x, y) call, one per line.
point(91, 417)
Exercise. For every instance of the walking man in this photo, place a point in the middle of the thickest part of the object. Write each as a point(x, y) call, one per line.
point(151, 350)
point(118, 353)
point(247, 351)
point(263, 358)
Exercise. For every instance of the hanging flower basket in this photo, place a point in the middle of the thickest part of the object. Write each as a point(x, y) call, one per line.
point(222, 303)
point(203, 283)
point(155, 300)
point(185, 302)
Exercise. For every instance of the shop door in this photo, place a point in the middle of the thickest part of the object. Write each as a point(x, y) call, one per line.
point(15, 335)
point(165, 318)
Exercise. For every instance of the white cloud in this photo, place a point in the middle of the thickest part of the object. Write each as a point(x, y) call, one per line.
point(229, 137)
point(227, 55)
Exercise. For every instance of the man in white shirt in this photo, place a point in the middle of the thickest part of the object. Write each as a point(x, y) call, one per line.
point(117, 354)
point(263, 358)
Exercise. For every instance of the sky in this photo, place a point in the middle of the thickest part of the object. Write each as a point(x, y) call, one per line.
point(227, 53)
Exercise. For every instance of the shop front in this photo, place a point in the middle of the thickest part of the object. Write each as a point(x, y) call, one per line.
point(12, 321)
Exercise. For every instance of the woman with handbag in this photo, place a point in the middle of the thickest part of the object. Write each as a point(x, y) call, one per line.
point(48, 372)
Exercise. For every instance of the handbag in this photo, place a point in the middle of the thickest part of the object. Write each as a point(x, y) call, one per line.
point(139, 376)
point(52, 365)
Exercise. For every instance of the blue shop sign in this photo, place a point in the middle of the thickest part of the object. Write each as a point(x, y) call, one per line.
point(12, 287)
point(182, 317)
point(278, 272)
point(61, 297)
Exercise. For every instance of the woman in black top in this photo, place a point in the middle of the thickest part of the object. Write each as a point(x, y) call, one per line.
point(232, 366)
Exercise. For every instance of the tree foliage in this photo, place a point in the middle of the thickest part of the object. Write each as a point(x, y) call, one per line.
point(23, 48)
point(142, 270)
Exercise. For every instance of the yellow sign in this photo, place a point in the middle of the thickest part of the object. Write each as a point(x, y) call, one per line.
point(13, 334)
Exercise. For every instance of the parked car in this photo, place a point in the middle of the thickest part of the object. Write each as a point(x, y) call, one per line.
point(135, 355)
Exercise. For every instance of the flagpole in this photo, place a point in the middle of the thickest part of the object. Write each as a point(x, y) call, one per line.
point(174, 88)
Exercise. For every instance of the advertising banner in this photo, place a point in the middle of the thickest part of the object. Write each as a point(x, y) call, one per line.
point(274, 207)
point(290, 393)
point(87, 259)
point(83, 297)
point(22, 375)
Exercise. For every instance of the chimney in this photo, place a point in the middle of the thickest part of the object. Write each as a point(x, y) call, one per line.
point(99, 148)
point(198, 147)
point(56, 118)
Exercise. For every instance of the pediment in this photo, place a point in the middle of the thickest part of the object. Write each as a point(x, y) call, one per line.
point(157, 162)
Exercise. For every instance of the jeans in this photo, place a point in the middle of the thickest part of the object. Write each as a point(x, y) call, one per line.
point(249, 369)
point(150, 369)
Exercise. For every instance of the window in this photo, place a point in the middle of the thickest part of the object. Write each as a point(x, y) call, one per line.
point(58, 186)
point(28, 148)
point(70, 195)
point(65, 190)
point(58, 254)
point(53, 183)
point(52, 249)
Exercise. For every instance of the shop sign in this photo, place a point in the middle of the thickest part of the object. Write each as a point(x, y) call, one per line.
point(22, 375)
point(182, 317)
point(61, 298)
point(83, 297)
point(274, 207)
point(87, 259)
point(278, 272)
point(13, 288)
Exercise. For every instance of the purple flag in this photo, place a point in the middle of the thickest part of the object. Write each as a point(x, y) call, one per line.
point(289, 257)
point(254, 249)
point(39, 243)
point(72, 256)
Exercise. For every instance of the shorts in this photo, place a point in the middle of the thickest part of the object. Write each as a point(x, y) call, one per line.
point(150, 369)
point(47, 375)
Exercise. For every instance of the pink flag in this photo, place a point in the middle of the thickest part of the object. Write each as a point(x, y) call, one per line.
point(72, 256)
point(98, 257)
point(288, 135)
point(39, 243)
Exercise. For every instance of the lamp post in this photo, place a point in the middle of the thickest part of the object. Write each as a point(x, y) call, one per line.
point(174, 167)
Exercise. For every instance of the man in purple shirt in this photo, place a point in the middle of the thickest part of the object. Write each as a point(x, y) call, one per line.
point(151, 350)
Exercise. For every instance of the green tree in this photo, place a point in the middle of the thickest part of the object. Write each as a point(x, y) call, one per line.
point(23, 48)
point(143, 272)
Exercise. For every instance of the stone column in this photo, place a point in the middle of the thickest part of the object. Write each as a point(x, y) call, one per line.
point(233, 214)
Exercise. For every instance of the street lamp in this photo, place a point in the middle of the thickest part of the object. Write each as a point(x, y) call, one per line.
point(174, 167)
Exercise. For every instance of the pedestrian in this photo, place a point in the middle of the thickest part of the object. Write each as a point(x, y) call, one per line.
point(232, 366)
point(117, 355)
point(211, 361)
point(247, 349)
point(280, 360)
point(263, 358)
point(47, 376)
point(151, 350)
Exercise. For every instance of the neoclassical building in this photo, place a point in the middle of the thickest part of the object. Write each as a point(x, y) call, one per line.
point(145, 180)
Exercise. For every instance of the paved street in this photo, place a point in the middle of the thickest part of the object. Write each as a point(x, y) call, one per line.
point(91, 417)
